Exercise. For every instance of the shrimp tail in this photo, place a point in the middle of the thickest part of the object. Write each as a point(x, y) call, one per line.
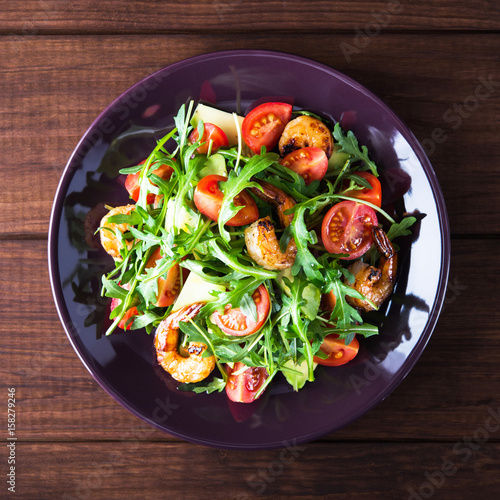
point(276, 197)
point(389, 260)
point(382, 242)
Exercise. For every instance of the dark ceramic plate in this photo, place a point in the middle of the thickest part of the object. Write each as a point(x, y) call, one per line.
point(124, 364)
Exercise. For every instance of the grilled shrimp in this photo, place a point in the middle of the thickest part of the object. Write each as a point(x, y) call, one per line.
point(264, 248)
point(109, 240)
point(188, 366)
point(375, 283)
point(305, 131)
point(260, 237)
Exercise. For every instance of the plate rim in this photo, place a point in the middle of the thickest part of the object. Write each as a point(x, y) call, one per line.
point(424, 163)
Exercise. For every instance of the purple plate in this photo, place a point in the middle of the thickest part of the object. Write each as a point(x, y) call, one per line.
point(124, 364)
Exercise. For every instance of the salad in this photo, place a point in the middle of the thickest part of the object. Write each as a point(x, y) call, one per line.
point(252, 248)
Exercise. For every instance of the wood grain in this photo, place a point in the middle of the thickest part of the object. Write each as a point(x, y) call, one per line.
point(63, 16)
point(366, 471)
point(436, 64)
point(443, 397)
point(59, 85)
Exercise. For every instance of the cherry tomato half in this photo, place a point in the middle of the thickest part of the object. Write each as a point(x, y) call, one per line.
point(310, 163)
point(132, 182)
point(212, 133)
point(346, 229)
point(373, 195)
point(235, 322)
point(243, 384)
point(208, 200)
point(169, 287)
point(338, 353)
point(264, 125)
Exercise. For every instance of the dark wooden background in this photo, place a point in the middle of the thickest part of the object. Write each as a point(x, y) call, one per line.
point(62, 62)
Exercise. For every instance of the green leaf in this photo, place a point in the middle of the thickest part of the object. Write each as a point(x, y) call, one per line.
point(248, 307)
point(131, 170)
point(113, 290)
point(216, 384)
point(357, 182)
point(349, 144)
point(234, 296)
point(237, 183)
point(146, 319)
point(401, 228)
point(343, 314)
point(148, 288)
point(299, 324)
point(305, 259)
point(365, 330)
point(233, 262)
point(143, 236)
point(133, 219)
point(198, 267)
point(185, 187)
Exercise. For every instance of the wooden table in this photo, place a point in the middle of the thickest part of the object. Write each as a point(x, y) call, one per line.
point(436, 63)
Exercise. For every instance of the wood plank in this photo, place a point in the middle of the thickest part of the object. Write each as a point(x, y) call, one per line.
point(62, 83)
point(443, 398)
point(62, 16)
point(174, 470)
point(53, 16)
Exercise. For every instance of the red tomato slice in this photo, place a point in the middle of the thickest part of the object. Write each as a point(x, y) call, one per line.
point(373, 195)
point(310, 163)
point(236, 322)
point(212, 133)
point(264, 125)
point(338, 353)
point(169, 287)
point(132, 182)
point(346, 229)
point(242, 387)
point(208, 200)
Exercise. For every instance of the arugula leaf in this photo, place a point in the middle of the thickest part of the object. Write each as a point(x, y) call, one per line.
point(198, 267)
point(146, 319)
point(238, 182)
point(234, 296)
point(366, 330)
point(343, 314)
point(131, 170)
point(216, 384)
point(294, 302)
point(248, 307)
point(113, 290)
point(132, 219)
point(149, 238)
point(305, 259)
point(401, 228)
point(185, 186)
point(233, 262)
point(357, 182)
point(181, 121)
point(349, 144)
